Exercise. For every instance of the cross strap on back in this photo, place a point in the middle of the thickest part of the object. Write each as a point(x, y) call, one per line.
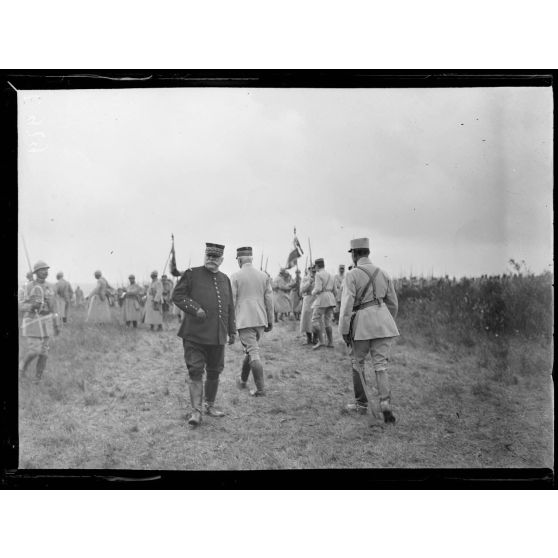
point(371, 281)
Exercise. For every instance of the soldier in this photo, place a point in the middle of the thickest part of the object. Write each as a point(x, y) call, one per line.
point(323, 305)
point(366, 322)
point(39, 321)
point(79, 297)
point(154, 303)
point(307, 299)
point(282, 286)
point(253, 304)
point(99, 311)
point(296, 298)
point(167, 303)
point(63, 296)
point(21, 294)
point(131, 308)
point(338, 281)
point(204, 294)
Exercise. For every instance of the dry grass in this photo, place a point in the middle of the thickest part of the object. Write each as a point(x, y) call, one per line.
point(117, 398)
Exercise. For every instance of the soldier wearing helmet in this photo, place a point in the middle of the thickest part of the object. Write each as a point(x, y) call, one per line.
point(39, 320)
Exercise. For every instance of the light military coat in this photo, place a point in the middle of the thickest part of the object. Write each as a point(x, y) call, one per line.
point(324, 289)
point(373, 322)
point(252, 296)
point(154, 295)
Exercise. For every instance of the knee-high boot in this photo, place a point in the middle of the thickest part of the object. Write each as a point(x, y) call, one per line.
point(329, 333)
point(23, 365)
point(309, 339)
point(258, 373)
point(211, 387)
point(245, 372)
point(318, 336)
point(196, 397)
point(41, 365)
point(384, 395)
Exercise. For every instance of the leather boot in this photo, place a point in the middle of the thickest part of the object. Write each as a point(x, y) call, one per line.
point(26, 362)
point(257, 372)
point(41, 365)
point(329, 334)
point(361, 403)
point(243, 378)
point(196, 396)
point(318, 337)
point(211, 387)
point(309, 339)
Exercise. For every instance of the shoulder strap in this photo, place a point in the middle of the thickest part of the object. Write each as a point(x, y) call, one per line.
point(372, 277)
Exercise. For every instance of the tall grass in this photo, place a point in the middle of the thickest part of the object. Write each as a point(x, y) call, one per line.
point(515, 304)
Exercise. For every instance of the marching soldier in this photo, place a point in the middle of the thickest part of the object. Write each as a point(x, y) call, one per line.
point(307, 299)
point(253, 303)
point(39, 321)
point(79, 297)
point(63, 291)
point(154, 303)
point(99, 311)
point(366, 322)
point(204, 294)
point(282, 286)
point(131, 308)
point(322, 307)
point(338, 281)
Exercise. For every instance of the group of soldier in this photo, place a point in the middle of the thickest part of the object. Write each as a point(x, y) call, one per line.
point(217, 308)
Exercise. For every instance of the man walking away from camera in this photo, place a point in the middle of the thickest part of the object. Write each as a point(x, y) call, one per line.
point(39, 320)
point(322, 307)
point(204, 294)
point(367, 324)
point(63, 291)
point(253, 304)
point(99, 310)
point(307, 300)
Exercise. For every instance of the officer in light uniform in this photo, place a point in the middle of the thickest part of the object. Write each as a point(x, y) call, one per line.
point(322, 307)
point(369, 297)
point(39, 320)
point(253, 304)
point(338, 280)
point(204, 294)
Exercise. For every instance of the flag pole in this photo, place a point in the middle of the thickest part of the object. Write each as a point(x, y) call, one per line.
point(310, 251)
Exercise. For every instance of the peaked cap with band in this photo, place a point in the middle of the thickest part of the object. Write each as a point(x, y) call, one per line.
point(359, 243)
point(212, 249)
point(244, 251)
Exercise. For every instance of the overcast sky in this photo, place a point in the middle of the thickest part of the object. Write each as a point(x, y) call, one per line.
point(452, 181)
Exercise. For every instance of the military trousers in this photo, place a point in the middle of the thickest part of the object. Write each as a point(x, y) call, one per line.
point(379, 350)
point(200, 358)
point(249, 337)
point(325, 313)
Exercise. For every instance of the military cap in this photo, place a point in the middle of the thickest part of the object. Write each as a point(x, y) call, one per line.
point(97, 272)
point(40, 265)
point(359, 243)
point(154, 274)
point(319, 262)
point(214, 249)
point(131, 276)
point(341, 266)
point(244, 251)
point(59, 275)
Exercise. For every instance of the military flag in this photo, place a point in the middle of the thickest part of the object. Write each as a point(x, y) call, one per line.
point(295, 253)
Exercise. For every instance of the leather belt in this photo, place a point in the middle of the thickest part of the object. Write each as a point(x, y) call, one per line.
point(375, 302)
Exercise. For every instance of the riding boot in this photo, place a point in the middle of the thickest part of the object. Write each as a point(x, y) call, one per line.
point(329, 334)
point(41, 365)
point(257, 372)
point(26, 362)
point(309, 339)
point(243, 378)
point(382, 382)
point(128, 324)
point(361, 403)
point(211, 387)
point(318, 336)
point(135, 324)
point(196, 397)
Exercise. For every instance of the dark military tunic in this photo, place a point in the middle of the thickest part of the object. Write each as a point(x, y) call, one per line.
point(200, 288)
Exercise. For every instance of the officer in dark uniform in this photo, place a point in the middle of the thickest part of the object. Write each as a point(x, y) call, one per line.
point(204, 294)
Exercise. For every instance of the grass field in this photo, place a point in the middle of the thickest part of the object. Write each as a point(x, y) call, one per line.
point(117, 398)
